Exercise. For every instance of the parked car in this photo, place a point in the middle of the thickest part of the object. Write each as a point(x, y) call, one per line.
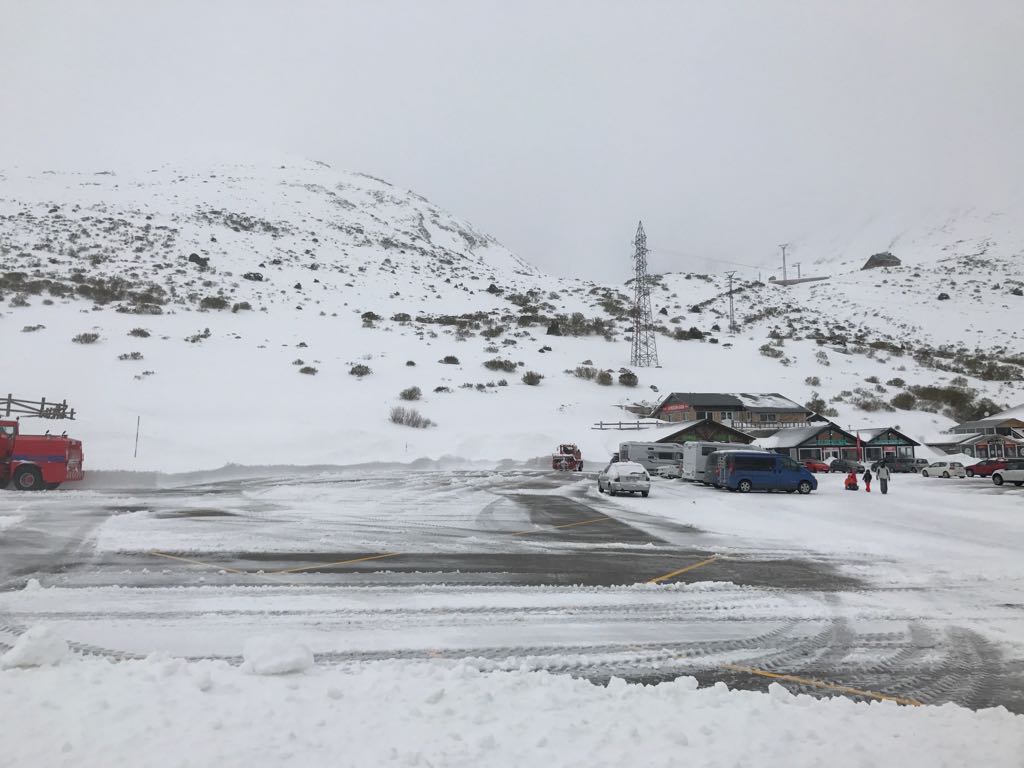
point(945, 469)
point(846, 465)
point(1012, 473)
point(746, 471)
point(900, 464)
point(624, 477)
point(815, 465)
point(670, 470)
point(986, 467)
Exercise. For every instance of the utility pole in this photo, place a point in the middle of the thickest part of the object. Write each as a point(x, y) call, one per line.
point(732, 313)
point(784, 246)
point(797, 265)
point(645, 351)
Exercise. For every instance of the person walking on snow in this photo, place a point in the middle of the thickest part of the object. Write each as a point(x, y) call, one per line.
point(867, 480)
point(883, 477)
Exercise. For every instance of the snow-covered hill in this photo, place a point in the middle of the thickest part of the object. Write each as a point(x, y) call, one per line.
point(231, 305)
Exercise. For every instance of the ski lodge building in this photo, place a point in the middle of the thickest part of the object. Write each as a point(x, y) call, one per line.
point(999, 436)
point(744, 411)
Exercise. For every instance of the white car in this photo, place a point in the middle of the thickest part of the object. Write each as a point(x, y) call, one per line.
point(1014, 473)
point(624, 477)
point(944, 469)
point(670, 470)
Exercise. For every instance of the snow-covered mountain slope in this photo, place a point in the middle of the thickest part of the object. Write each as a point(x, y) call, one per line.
point(231, 305)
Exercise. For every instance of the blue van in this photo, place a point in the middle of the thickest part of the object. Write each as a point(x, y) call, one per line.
point(747, 471)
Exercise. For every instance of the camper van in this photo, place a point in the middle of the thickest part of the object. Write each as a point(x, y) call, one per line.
point(651, 455)
point(746, 471)
point(695, 456)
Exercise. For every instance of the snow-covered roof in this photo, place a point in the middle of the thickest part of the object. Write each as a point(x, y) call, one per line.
point(791, 438)
point(1017, 412)
point(867, 435)
point(767, 401)
point(752, 401)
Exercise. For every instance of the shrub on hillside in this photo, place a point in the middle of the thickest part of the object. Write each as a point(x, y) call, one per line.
point(812, 381)
point(130, 356)
point(532, 378)
point(139, 333)
point(213, 302)
point(587, 372)
point(905, 401)
point(497, 364)
point(86, 338)
point(32, 328)
point(409, 417)
point(359, 370)
point(442, 390)
point(769, 351)
point(604, 378)
point(309, 370)
point(449, 360)
point(411, 393)
point(896, 382)
point(628, 379)
point(242, 306)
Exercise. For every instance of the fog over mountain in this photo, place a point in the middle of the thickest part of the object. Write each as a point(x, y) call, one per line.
point(727, 127)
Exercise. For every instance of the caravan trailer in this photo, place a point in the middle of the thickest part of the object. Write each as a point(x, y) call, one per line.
point(652, 455)
point(695, 457)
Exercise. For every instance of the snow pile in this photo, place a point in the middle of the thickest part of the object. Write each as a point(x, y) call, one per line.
point(276, 655)
point(38, 646)
point(401, 713)
point(8, 521)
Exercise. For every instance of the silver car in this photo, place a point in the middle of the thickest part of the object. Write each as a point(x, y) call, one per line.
point(624, 477)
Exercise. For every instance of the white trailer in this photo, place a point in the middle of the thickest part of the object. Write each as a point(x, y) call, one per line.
point(651, 455)
point(695, 457)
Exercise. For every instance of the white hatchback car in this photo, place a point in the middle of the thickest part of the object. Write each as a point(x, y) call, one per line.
point(1014, 473)
point(944, 469)
point(624, 477)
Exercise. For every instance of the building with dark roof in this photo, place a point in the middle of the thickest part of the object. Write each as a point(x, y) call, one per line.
point(707, 430)
point(739, 410)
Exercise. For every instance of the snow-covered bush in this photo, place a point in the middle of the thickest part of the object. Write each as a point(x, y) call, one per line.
point(409, 417)
point(497, 364)
point(139, 333)
point(130, 356)
point(213, 302)
point(628, 379)
point(309, 370)
point(812, 381)
point(769, 351)
point(411, 393)
point(532, 378)
point(587, 372)
point(604, 378)
point(360, 370)
point(86, 338)
point(449, 360)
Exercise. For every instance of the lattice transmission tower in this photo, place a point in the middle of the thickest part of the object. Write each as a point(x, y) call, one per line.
point(645, 349)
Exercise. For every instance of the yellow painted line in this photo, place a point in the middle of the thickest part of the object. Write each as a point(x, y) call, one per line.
point(337, 562)
point(197, 562)
point(564, 525)
point(673, 574)
point(823, 684)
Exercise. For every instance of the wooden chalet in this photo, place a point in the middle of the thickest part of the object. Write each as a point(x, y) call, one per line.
point(708, 430)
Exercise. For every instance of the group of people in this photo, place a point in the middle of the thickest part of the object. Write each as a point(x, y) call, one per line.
point(881, 472)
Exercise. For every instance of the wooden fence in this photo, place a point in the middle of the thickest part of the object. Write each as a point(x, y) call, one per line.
point(15, 406)
point(630, 425)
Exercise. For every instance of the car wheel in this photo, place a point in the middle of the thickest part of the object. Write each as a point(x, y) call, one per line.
point(644, 493)
point(600, 488)
point(970, 473)
point(924, 473)
point(1018, 483)
point(28, 479)
point(745, 486)
point(997, 479)
point(946, 475)
point(804, 487)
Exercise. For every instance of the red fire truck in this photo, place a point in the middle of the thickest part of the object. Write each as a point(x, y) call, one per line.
point(568, 458)
point(34, 462)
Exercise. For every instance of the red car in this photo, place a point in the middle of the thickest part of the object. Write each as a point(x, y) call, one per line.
point(985, 467)
point(813, 465)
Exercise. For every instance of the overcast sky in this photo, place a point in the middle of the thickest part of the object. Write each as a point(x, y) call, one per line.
point(727, 127)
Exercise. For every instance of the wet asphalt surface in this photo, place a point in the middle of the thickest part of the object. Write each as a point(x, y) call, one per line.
point(602, 549)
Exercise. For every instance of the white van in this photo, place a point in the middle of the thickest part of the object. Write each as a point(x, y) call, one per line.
point(651, 455)
point(695, 457)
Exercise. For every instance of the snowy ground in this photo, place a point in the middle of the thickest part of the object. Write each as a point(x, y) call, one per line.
point(457, 595)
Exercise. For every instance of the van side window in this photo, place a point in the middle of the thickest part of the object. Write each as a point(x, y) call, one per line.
point(789, 464)
point(754, 463)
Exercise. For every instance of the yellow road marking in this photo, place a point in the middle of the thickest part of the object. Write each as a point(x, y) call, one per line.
point(338, 562)
point(659, 579)
point(822, 684)
point(197, 562)
point(565, 525)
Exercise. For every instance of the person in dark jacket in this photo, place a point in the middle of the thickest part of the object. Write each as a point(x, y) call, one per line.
point(867, 480)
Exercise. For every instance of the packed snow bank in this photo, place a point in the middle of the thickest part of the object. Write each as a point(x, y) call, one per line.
point(276, 655)
point(7, 521)
point(168, 712)
point(37, 646)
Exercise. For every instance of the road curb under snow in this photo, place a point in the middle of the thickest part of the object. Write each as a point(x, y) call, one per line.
point(164, 712)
